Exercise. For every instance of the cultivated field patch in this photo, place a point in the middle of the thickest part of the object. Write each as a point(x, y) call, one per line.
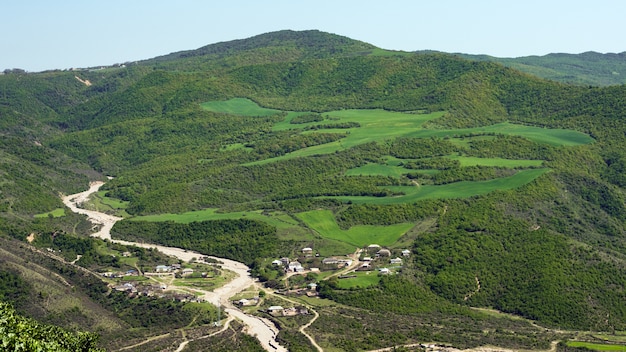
point(238, 106)
point(463, 189)
point(324, 223)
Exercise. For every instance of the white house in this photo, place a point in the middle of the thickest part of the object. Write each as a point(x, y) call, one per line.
point(384, 271)
point(395, 261)
point(295, 267)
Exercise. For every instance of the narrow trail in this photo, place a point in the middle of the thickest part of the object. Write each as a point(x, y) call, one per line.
point(303, 327)
point(469, 295)
point(257, 327)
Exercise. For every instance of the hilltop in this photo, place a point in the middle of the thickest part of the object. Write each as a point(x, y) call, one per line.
point(507, 189)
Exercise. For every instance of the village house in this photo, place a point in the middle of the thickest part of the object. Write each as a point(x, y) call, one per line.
point(395, 261)
point(187, 272)
point(344, 262)
point(384, 271)
point(277, 262)
point(163, 268)
point(330, 261)
point(307, 251)
point(285, 261)
point(406, 252)
point(373, 247)
point(383, 253)
point(295, 267)
point(275, 310)
point(246, 302)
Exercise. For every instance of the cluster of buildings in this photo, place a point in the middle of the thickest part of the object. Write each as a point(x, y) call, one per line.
point(134, 289)
point(278, 311)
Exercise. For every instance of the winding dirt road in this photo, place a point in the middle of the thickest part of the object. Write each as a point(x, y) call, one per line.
point(258, 327)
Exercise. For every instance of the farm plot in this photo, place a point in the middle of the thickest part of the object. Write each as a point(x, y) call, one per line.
point(323, 222)
point(463, 189)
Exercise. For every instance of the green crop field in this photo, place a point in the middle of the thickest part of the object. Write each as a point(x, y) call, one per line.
point(58, 212)
point(391, 168)
point(379, 125)
point(378, 169)
point(278, 219)
point(238, 106)
point(463, 189)
point(363, 279)
point(323, 222)
point(499, 162)
point(597, 346)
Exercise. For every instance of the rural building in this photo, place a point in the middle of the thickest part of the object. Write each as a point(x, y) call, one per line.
point(383, 253)
point(395, 261)
point(295, 267)
point(163, 268)
point(373, 247)
point(277, 262)
point(406, 252)
point(344, 262)
point(275, 310)
point(384, 271)
point(307, 251)
point(330, 261)
point(187, 271)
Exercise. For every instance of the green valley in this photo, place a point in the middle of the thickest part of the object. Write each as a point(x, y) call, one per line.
point(467, 203)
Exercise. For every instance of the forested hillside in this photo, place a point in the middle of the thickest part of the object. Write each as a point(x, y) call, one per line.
point(589, 68)
point(260, 147)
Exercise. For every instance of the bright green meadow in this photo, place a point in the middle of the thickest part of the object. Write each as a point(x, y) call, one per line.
point(324, 223)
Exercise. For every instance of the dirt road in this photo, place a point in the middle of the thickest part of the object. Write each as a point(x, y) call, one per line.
point(258, 327)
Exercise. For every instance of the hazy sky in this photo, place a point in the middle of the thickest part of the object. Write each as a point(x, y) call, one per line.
point(38, 35)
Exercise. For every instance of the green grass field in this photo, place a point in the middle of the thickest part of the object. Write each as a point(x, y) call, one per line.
point(496, 162)
point(363, 279)
point(462, 189)
point(392, 169)
point(323, 222)
point(56, 213)
point(597, 346)
point(278, 219)
point(238, 106)
point(379, 125)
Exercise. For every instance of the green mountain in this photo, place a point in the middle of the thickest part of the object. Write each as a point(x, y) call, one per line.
point(507, 189)
point(589, 68)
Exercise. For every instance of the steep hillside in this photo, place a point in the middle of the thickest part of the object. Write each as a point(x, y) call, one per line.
point(508, 189)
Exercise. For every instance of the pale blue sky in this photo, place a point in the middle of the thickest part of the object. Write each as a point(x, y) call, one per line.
point(38, 35)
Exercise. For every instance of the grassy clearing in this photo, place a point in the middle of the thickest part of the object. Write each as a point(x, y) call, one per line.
point(378, 170)
point(496, 162)
point(278, 219)
point(392, 168)
point(238, 106)
point(379, 125)
point(363, 279)
point(56, 213)
point(462, 189)
point(323, 222)
point(597, 346)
